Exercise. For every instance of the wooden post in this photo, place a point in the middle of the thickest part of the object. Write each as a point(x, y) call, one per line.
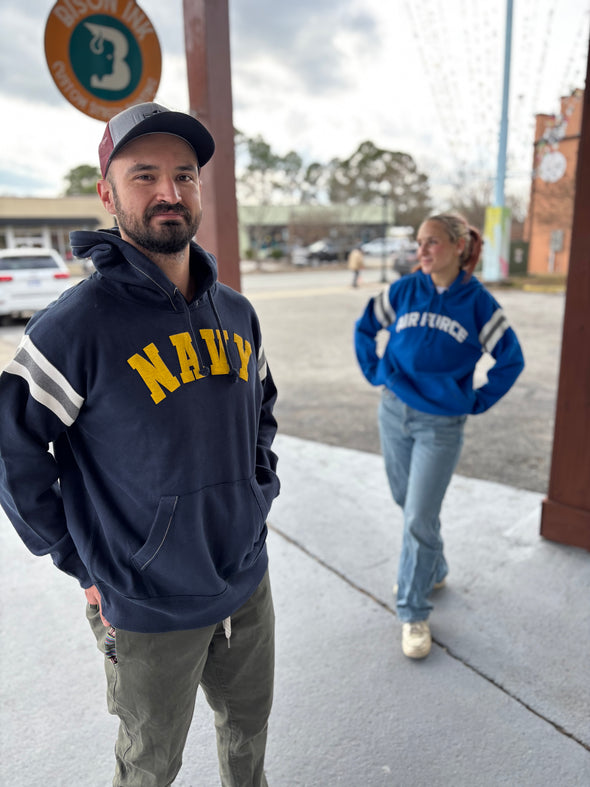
point(206, 33)
point(566, 510)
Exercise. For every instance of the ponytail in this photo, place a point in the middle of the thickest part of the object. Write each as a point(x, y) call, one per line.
point(472, 251)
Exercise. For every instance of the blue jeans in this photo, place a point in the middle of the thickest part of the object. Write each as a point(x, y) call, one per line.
point(421, 452)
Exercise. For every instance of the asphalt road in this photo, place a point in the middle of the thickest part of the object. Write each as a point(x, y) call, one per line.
point(307, 319)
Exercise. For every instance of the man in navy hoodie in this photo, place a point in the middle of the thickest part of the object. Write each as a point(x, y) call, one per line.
point(135, 448)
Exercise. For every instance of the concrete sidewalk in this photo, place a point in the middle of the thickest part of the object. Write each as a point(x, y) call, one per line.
point(503, 699)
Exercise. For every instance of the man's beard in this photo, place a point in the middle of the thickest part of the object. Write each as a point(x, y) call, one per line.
point(169, 237)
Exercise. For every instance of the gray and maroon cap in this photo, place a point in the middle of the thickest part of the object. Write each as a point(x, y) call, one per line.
point(151, 118)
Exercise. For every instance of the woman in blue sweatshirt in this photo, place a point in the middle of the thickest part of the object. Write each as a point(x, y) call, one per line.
point(440, 320)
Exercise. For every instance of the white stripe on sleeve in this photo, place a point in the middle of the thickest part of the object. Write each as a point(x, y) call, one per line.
point(493, 330)
point(383, 309)
point(262, 365)
point(47, 384)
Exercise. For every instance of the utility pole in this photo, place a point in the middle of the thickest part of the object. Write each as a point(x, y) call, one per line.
point(496, 250)
point(206, 34)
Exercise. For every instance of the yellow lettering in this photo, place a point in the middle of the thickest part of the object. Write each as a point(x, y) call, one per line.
point(154, 372)
point(219, 364)
point(245, 351)
point(187, 357)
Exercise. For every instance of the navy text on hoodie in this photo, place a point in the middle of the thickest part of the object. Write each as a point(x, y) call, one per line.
point(135, 440)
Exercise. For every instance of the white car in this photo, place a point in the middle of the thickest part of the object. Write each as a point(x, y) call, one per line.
point(380, 246)
point(30, 278)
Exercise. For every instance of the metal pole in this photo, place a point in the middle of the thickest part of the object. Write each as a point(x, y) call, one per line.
point(383, 242)
point(503, 144)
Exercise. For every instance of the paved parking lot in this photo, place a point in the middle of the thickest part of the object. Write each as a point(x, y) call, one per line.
point(307, 322)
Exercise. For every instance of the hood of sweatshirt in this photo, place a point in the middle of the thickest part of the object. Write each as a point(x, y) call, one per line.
point(160, 416)
point(123, 264)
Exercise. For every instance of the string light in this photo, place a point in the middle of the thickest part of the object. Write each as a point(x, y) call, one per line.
point(461, 49)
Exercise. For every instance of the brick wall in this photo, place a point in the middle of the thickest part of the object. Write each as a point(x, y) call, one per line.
point(549, 221)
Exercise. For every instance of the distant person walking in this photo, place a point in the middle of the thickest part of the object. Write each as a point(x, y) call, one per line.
point(440, 320)
point(356, 262)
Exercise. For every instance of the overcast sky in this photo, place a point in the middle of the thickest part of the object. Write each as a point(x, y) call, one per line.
point(321, 76)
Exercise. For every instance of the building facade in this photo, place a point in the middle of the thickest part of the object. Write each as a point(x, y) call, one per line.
point(38, 221)
point(47, 222)
point(548, 228)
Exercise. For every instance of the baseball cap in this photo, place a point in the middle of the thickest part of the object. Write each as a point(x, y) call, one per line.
point(151, 118)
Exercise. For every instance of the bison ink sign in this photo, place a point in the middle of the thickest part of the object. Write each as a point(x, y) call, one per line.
point(103, 55)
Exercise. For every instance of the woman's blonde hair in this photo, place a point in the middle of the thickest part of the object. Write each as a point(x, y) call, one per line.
point(457, 227)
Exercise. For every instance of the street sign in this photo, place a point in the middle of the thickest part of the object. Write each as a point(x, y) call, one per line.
point(103, 55)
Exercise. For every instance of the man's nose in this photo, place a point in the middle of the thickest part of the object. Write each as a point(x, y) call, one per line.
point(168, 190)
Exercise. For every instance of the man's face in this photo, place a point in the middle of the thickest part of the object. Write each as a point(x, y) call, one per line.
point(153, 188)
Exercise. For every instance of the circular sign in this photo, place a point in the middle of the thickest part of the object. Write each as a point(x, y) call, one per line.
point(552, 167)
point(103, 55)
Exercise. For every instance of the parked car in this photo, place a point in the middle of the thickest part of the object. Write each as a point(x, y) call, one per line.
point(406, 259)
point(380, 246)
point(324, 250)
point(30, 278)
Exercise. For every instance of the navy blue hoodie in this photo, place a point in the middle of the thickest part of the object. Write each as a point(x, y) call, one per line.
point(159, 414)
point(435, 340)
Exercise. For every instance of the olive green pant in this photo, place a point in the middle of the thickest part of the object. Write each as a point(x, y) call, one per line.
point(152, 682)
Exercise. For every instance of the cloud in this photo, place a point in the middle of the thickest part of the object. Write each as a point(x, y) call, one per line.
point(303, 39)
point(319, 77)
point(23, 68)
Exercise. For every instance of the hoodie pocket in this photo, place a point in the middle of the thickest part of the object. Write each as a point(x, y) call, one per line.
point(198, 541)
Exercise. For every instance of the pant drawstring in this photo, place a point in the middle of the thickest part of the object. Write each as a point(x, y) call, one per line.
point(227, 630)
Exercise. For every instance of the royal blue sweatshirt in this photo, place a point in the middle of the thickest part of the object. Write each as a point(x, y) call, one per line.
point(135, 440)
point(435, 340)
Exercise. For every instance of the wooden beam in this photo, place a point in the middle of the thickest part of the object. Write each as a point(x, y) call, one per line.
point(206, 30)
point(566, 510)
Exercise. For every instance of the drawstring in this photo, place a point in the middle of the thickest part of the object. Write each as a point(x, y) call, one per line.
point(227, 630)
point(233, 373)
point(204, 370)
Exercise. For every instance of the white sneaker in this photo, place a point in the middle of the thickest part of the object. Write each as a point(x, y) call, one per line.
point(436, 586)
point(416, 640)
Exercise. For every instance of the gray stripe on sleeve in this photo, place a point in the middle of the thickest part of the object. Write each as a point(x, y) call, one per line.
point(493, 330)
point(46, 384)
point(262, 365)
point(383, 310)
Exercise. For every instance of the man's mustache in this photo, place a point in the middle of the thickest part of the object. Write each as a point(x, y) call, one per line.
point(166, 207)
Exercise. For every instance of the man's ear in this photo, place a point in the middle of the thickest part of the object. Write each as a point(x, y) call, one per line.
point(105, 192)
